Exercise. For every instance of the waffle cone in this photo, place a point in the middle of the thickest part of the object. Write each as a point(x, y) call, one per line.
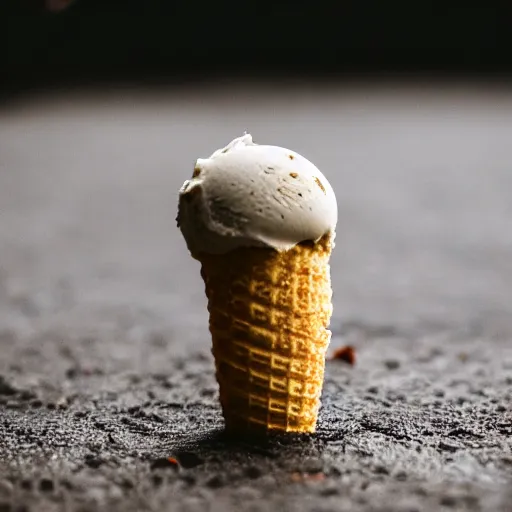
point(269, 313)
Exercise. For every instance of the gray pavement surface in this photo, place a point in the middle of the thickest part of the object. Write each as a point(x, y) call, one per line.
point(105, 365)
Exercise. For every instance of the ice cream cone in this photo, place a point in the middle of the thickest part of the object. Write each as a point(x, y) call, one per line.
point(269, 313)
point(261, 221)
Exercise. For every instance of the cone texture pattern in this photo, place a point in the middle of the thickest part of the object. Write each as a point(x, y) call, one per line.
point(269, 313)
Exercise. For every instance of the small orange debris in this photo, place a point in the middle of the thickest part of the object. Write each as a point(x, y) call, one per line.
point(346, 354)
point(165, 463)
point(314, 477)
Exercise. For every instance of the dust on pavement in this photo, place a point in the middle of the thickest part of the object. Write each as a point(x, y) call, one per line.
point(107, 394)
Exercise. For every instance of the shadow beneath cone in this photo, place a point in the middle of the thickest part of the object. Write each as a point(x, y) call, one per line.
point(220, 445)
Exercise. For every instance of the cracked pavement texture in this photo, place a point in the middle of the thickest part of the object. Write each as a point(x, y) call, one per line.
point(105, 364)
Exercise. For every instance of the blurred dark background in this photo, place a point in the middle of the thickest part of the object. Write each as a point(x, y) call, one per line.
point(51, 42)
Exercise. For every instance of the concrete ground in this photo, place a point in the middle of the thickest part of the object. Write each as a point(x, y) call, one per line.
point(105, 365)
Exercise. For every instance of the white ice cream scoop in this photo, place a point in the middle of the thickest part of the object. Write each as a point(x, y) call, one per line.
point(247, 194)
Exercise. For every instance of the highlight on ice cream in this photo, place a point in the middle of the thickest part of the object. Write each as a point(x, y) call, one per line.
point(261, 221)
